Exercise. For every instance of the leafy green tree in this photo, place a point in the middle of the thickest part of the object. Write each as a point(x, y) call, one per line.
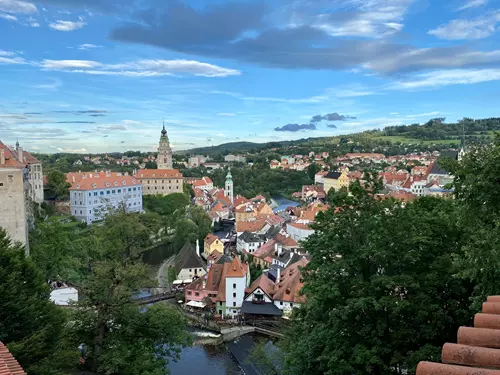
point(121, 337)
point(381, 288)
point(58, 187)
point(31, 326)
point(165, 204)
point(476, 191)
point(151, 165)
point(202, 221)
point(312, 169)
point(336, 197)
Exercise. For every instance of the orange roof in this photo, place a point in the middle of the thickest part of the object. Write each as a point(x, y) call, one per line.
point(402, 195)
point(239, 200)
point(264, 283)
point(265, 250)
point(363, 155)
point(236, 269)
point(8, 364)
point(27, 157)
point(251, 226)
point(233, 269)
point(159, 173)
point(300, 226)
point(290, 284)
point(285, 241)
point(202, 182)
point(89, 181)
point(198, 193)
point(219, 206)
point(210, 238)
point(10, 159)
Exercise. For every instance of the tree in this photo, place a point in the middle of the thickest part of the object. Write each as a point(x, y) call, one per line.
point(312, 169)
point(381, 288)
point(30, 324)
point(476, 191)
point(120, 336)
point(58, 187)
point(166, 204)
point(335, 198)
point(202, 221)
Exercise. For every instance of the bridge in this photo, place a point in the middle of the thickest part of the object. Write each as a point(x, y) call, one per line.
point(155, 298)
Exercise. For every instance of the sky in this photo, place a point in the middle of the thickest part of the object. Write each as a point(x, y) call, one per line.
point(102, 75)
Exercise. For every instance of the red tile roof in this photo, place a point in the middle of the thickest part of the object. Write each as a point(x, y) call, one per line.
point(10, 159)
point(210, 238)
point(478, 348)
point(264, 283)
point(158, 173)
point(251, 226)
point(291, 283)
point(236, 269)
point(89, 181)
point(364, 155)
point(8, 364)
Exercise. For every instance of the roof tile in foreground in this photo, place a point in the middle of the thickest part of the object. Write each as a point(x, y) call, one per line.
point(8, 364)
point(478, 348)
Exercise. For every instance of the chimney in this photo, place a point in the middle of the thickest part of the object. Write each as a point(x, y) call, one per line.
point(20, 154)
point(197, 247)
point(108, 174)
point(279, 248)
point(204, 281)
point(278, 274)
point(73, 178)
point(2, 156)
point(90, 175)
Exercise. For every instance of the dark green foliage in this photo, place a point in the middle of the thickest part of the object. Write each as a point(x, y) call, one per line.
point(381, 287)
point(30, 324)
point(165, 205)
point(58, 187)
point(478, 195)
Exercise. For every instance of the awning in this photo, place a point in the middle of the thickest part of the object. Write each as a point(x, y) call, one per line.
point(196, 304)
point(177, 282)
point(188, 281)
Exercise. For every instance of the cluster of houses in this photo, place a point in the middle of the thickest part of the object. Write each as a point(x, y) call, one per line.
point(425, 175)
point(300, 162)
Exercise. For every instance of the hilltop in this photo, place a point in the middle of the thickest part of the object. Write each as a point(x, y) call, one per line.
point(433, 132)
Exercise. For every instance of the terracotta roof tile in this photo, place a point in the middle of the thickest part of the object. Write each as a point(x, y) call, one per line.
point(89, 181)
point(291, 283)
point(251, 226)
point(264, 283)
point(210, 238)
point(10, 159)
point(477, 349)
point(8, 364)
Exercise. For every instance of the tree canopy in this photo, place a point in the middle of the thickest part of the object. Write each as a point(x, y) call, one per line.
point(58, 187)
point(381, 288)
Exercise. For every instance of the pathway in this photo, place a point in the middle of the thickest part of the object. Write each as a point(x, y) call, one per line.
point(163, 284)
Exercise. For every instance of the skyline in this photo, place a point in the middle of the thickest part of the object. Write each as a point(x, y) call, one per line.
point(95, 76)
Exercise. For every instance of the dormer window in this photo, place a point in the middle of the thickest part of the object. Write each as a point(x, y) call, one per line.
point(107, 184)
point(124, 183)
point(115, 183)
point(94, 186)
point(78, 186)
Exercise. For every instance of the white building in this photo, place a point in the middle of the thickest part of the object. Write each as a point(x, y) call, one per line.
point(248, 242)
point(197, 160)
point(188, 263)
point(93, 195)
point(237, 279)
point(235, 158)
point(299, 230)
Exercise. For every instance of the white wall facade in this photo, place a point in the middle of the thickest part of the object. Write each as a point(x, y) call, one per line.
point(189, 273)
point(92, 205)
point(248, 247)
point(35, 177)
point(298, 234)
point(13, 204)
point(286, 306)
point(235, 294)
point(251, 296)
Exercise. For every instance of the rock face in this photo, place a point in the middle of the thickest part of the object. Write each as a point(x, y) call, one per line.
point(478, 348)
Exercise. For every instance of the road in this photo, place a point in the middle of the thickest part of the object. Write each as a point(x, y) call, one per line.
point(163, 285)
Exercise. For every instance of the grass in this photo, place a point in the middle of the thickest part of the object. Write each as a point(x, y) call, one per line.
point(402, 139)
point(171, 275)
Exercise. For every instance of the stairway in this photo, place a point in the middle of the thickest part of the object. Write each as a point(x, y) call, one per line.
point(477, 351)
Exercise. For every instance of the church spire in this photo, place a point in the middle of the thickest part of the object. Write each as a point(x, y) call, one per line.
point(164, 160)
point(164, 131)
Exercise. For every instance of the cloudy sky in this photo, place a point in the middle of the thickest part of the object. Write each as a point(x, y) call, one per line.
point(102, 75)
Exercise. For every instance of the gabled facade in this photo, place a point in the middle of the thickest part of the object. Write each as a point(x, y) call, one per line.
point(212, 243)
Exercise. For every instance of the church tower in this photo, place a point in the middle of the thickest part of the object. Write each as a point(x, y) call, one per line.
point(228, 189)
point(164, 159)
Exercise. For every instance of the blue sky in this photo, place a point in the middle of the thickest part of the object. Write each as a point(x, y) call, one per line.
point(101, 75)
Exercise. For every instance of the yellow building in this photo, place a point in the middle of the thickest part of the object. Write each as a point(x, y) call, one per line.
point(212, 243)
point(250, 211)
point(335, 180)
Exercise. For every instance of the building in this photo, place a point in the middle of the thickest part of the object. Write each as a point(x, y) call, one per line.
point(197, 160)
point(164, 180)
point(438, 173)
point(335, 180)
point(319, 177)
point(188, 264)
point(35, 172)
point(222, 288)
point(249, 242)
point(8, 364)
point(299, 230)
point(204, 183)
point(212, 243)
point(164, 160)
point(228, 188)
point(93, 195)
point(259, 302)
point(13, 195)
point(287, 291)
point(235, 158)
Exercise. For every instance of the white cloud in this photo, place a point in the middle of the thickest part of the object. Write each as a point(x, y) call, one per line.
point(72, 150)
point(15, 6)
point(312, 99)
point(69, 64)
point(53, 84)
point(131, 122)
point(427, 114)
point(60, 25)
point(87, 46)
point(472, 4)
point(441, 78)
point(394, 113)
point(226, 114)
point(141, 68)
point(33, 22)
point(8, 17)
point(12, 60)
point(6, 53)
point(468, 29)
point(349, 93)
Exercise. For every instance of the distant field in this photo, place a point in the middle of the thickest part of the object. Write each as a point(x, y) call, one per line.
point(397, 138)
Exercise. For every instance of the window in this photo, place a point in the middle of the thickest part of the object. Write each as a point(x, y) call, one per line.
point(135, 189)
point(197, 294)
point(234, 304)
point(189, 292)
point(102, 192)
point(234, 286)
point(119, 190)
point(190, 270)
point(80, 212)
point(220, 312)
point(281, 303)
point(291, 304)
point(113, 191)
point(1, 183)
point(90, 194)
point(95, 194)
point(108, 192)
point(234, 295)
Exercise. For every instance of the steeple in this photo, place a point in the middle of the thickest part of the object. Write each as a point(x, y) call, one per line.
point(228, 188)
point(17, 145)
point(164, 131)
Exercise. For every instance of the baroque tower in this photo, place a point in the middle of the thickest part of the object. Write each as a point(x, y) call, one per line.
point(228, 189)
point(164, 159)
